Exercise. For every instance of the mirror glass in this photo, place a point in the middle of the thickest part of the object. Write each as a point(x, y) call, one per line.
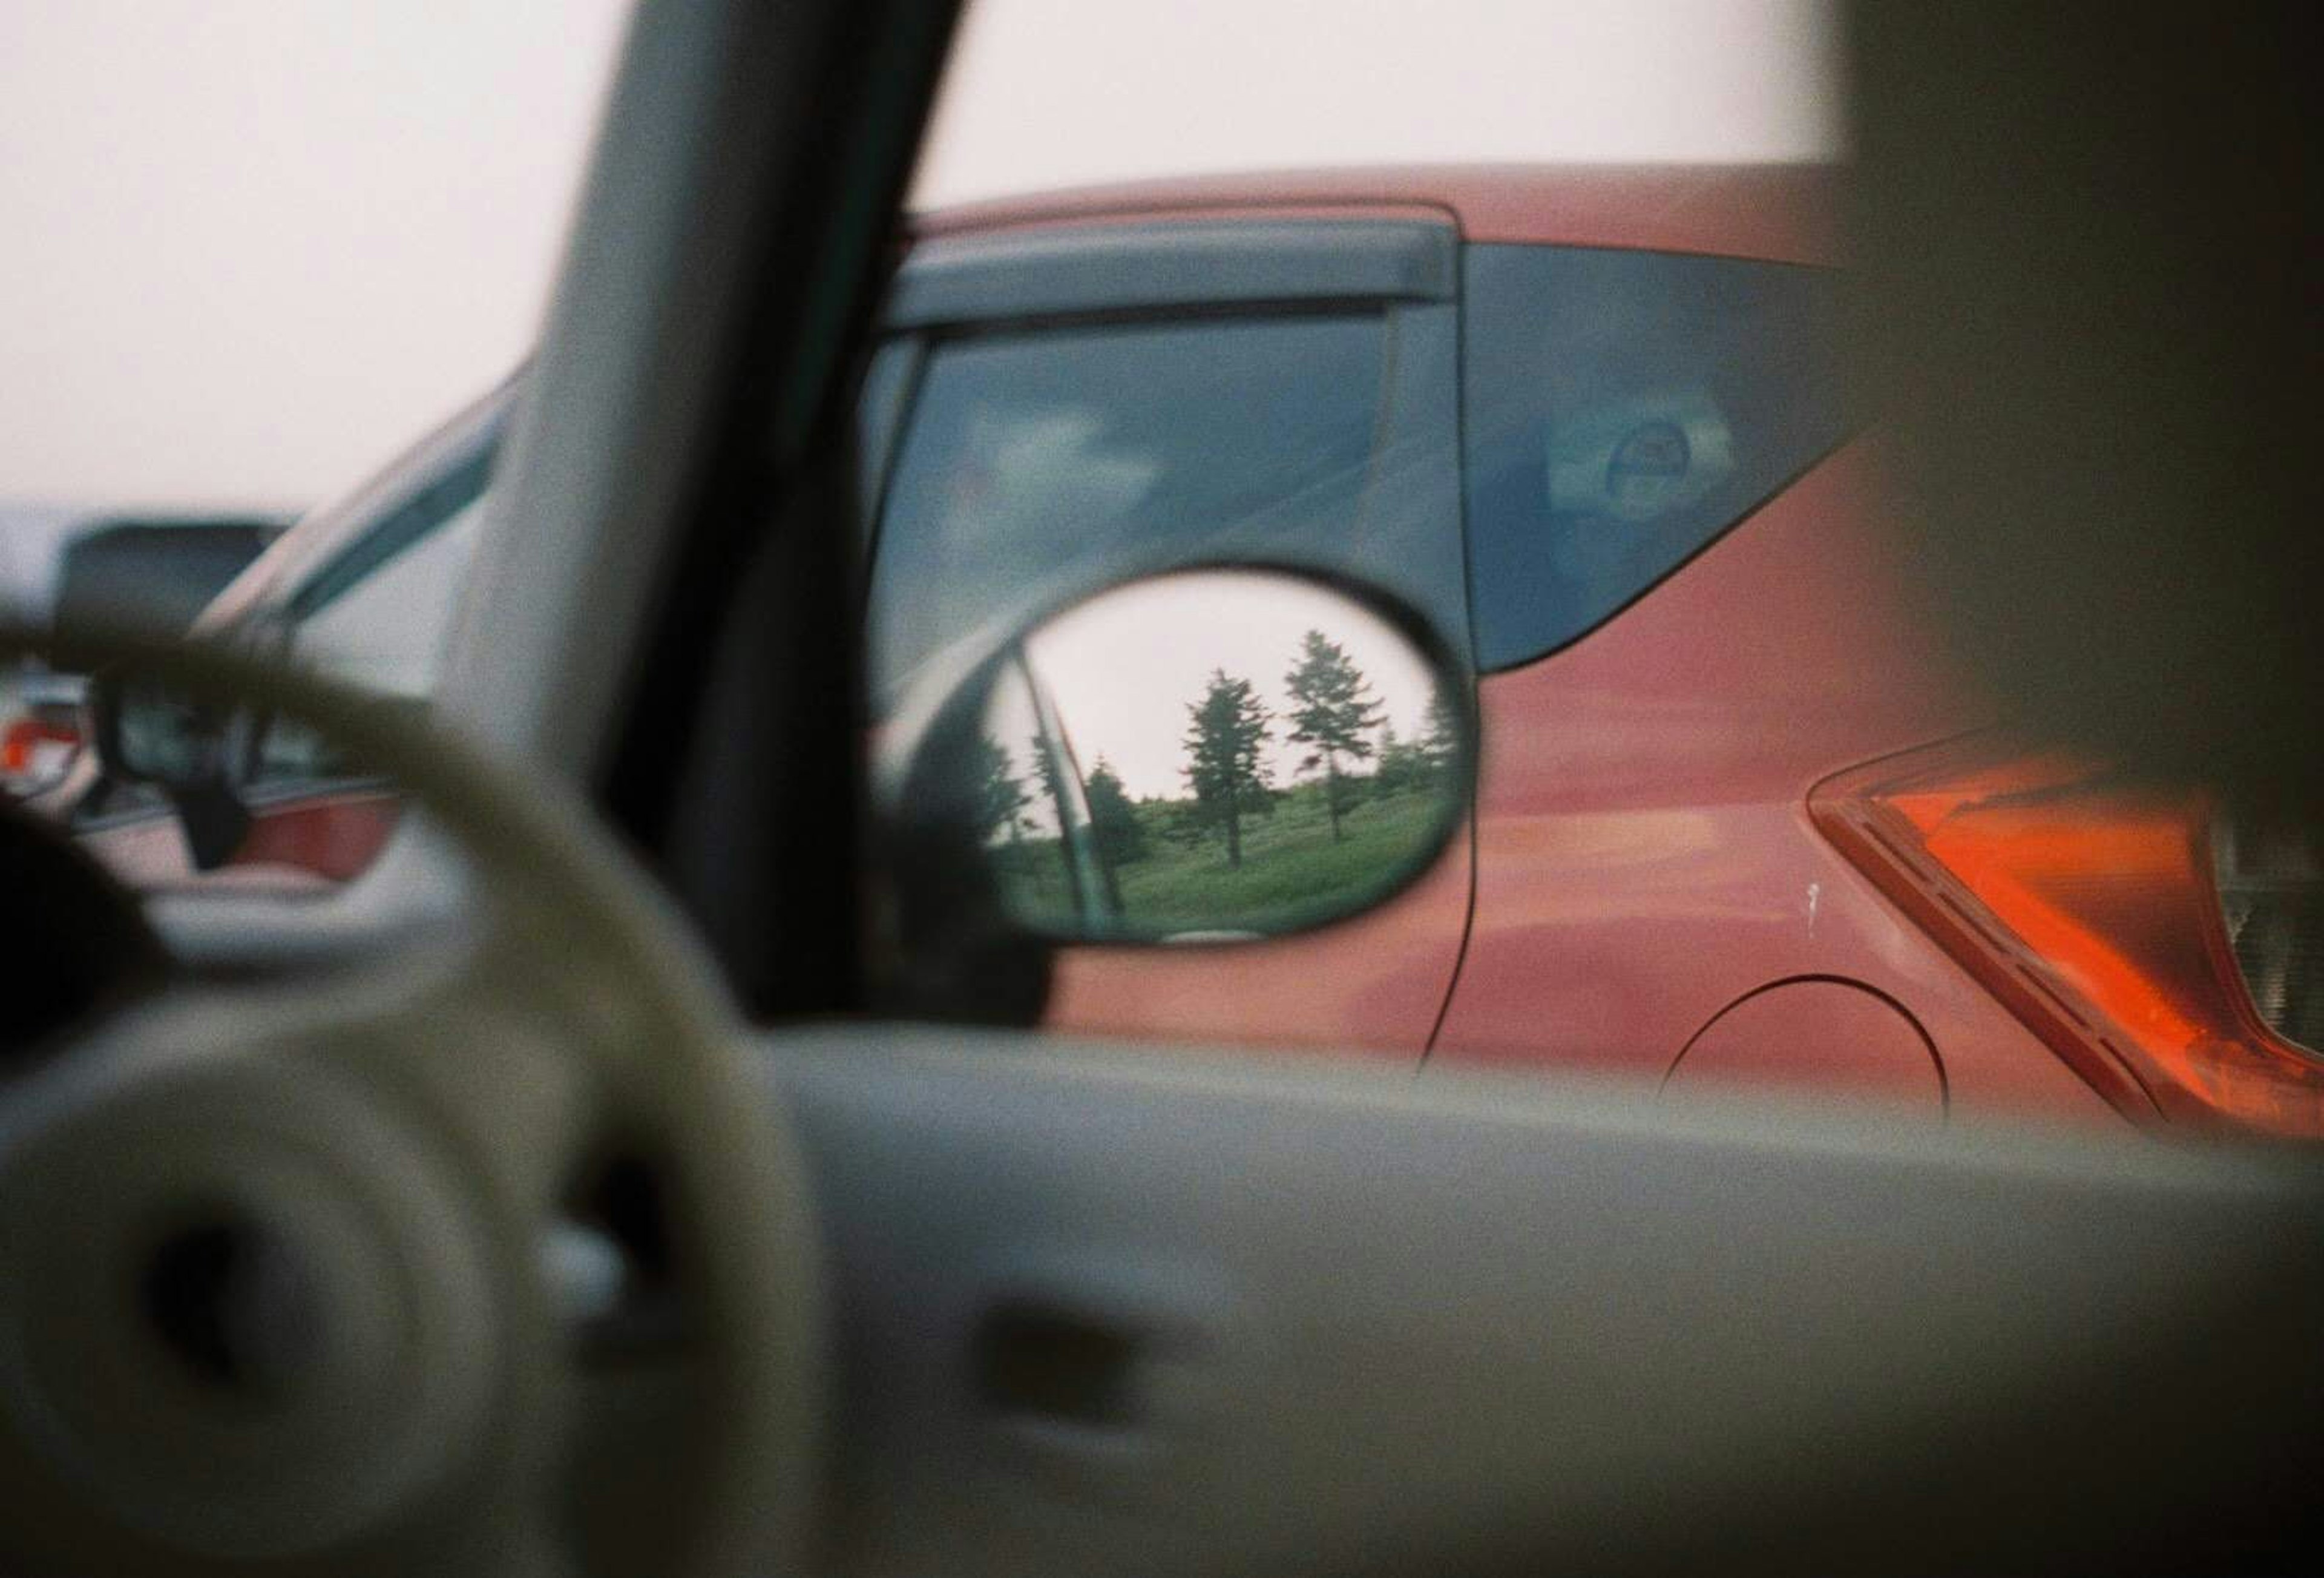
point(162, 735)
point(1216, 755)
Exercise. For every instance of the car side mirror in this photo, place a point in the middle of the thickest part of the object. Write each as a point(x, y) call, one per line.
point(1205, 756)
point(145, 731)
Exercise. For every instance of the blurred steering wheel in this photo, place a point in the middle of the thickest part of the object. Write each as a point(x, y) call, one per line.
point(272, 1287)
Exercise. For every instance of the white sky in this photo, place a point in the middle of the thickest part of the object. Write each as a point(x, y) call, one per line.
point(1048, 92)
point(254, 246)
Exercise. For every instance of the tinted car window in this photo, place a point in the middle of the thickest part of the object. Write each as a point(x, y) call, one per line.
point(1622, 410)
point(1040, 464)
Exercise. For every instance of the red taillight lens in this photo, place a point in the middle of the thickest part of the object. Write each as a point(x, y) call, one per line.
point(2089, 904)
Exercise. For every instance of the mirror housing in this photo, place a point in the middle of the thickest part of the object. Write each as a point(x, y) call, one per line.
point(155, 576)
point(1206, 756)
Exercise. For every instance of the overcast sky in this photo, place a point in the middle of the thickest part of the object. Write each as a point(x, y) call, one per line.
point(254, 246)
point(1122, 668)
point(1052, 91)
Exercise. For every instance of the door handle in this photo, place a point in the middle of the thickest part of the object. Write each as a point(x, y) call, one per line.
point(1054, 1368)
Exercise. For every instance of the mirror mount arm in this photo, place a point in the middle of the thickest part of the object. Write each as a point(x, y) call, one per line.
point(215, 821)
point(952, 950)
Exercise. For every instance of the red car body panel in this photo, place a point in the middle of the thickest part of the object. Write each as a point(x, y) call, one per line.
point(335, 836)
point(1645, 854)
point(1783, 213)
point(1650, 896)
point(1839, 1036)
point(309, 843)
point(1641, 889)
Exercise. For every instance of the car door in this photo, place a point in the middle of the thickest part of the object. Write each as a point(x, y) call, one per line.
point(1084, 403)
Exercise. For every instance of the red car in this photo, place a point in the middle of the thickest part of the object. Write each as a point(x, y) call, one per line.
point(1737, 819)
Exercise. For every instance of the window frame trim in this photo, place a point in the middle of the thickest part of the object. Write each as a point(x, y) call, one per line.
point(1143, 266)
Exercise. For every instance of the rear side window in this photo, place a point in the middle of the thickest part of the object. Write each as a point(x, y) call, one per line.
point(1045, 463)
point(1622, 409)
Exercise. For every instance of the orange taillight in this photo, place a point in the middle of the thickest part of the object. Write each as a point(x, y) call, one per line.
point(2086, 902)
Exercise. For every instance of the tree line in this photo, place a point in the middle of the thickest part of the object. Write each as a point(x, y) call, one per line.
point(1332, 711)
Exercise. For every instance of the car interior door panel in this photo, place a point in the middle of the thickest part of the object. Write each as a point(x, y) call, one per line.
point(1734, 1338)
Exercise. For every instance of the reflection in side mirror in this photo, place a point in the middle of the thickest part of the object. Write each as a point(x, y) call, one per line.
point(151, 733)
point(1216, 755)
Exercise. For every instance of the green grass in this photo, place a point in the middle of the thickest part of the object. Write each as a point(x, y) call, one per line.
point(1293, 874)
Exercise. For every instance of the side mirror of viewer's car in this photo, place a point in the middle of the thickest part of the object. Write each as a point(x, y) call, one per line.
point(1211, 755)
point(145, 731)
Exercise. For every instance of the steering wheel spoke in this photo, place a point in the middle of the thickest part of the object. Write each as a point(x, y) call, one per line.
point(301, 1275)
point(475, 1043)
